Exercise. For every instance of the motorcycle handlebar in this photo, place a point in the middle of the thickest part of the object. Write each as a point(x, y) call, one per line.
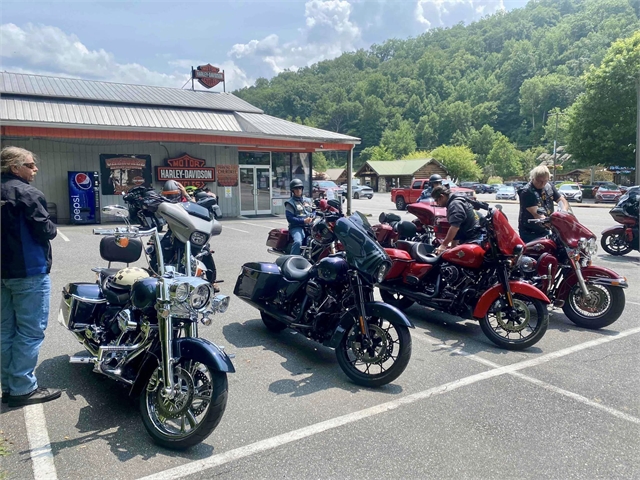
point(124, 231)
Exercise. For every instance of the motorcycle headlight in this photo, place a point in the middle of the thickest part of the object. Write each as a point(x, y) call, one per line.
point(199, 298)
point(181, 292)
point(198, 238)
point(592, 246)
point(382, 272)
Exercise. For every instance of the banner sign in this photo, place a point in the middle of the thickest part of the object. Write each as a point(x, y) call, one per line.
point(187, 170)
point(207, 75)
point(121, 172)
point(228, 175)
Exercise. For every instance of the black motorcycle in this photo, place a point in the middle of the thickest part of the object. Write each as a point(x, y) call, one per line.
point(332, 303)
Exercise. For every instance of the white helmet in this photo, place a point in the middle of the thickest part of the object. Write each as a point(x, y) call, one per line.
point(130, 275)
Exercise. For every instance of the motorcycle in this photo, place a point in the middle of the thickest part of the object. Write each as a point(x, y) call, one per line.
point(430, 226)
point(560, 265)
point(332, 303)
point(279, 241)
point(187, 223)
point(142, 331)
point(472, 281)
point(622, 239)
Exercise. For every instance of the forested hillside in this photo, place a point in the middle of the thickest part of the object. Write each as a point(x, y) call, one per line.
point(492, 82)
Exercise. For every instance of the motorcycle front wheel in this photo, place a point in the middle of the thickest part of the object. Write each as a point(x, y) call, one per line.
point(615, 243)
point(515, 330)
point(383, 360)
point(199, 401)
point(600, 308)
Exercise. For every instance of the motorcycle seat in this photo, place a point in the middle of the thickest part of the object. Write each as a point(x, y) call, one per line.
point(283, 258)
point(405, 245)
point(296, 268)
point(105, 273)
point(115, 294)
point(420, 253)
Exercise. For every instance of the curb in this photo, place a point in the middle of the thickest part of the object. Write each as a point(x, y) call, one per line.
point(573, 205)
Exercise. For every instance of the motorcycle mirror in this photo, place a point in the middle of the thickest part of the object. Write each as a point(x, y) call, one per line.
point(541, 211)
point(382, 218)
point(498, 207)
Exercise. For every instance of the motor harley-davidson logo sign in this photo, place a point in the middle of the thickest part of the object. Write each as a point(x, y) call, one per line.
point(187, 170)
point(208, 76)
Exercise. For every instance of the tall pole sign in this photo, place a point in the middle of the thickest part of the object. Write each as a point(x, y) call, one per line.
point(208, 76)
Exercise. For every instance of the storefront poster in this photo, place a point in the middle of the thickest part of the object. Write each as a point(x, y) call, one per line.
point(121, 172)
point(227, 192)
point(227, 175)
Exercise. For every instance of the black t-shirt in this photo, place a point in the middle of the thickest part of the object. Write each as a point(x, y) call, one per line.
point(461, 214)
point(531, 196)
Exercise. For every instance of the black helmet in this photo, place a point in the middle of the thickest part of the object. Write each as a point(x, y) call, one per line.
point(171, 190)
point(296, 183)
point(435, 178)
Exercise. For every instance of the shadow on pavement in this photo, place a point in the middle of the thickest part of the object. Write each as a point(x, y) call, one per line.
point(312, 366)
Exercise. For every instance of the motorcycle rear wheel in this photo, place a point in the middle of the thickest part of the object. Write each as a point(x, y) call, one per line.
point(271, 323)
point(384, 361)
point(614, 243)
point(521, 333)
point(193, 413)
point(581, 311)
point(396, 299)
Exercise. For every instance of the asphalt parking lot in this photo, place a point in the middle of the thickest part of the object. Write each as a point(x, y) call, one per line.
point(566, 408)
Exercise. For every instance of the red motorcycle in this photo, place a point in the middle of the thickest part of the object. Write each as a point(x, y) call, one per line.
point(560, 265)
point(472, 281)
point(623, 238)
point(430, 226)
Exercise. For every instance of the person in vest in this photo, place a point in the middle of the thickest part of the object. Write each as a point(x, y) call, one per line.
point(538, 193)
point(464, 225)
point(435, 180)
point(299, 214)
point(27, 231)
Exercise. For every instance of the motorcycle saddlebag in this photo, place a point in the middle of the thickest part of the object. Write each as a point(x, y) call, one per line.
point(258, 281)
point(82, 304)
point(278, 238)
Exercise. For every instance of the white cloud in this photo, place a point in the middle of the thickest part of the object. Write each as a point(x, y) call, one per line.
point(48, 50)
point(440, 13)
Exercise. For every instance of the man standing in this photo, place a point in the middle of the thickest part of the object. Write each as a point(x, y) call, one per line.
point(464, 225)
point(26, 262)
point(538, 193)
point(298, 210)
point(435, 180)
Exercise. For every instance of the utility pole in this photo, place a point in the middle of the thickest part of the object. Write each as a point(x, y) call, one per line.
point(555, 145)
point(637, 172)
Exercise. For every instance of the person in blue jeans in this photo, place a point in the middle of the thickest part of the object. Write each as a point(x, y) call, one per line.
point(27, 231)
point(299, 213)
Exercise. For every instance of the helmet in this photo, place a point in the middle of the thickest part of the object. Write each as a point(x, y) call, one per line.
point(296, 183)
point(435, 178)
point(171, 190)
point(128, 276)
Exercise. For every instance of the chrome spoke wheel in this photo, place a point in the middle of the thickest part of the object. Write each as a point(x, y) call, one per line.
point(595, 304)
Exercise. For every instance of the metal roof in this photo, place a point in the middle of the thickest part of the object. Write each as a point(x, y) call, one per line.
point(72, 88)
point(268, 125)
point(20, 110)
point(398, 167)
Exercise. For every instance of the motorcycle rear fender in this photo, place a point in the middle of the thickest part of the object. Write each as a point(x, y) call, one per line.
point(198, 349)
point(490, 296)
point(373, 309)
point(615, 229)
point(594, 275)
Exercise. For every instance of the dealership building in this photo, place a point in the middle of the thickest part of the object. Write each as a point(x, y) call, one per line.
point(123, 135)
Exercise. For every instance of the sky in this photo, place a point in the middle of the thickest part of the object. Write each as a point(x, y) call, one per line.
point(157, 42)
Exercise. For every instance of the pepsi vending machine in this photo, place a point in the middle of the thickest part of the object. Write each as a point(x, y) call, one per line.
point(84, 197)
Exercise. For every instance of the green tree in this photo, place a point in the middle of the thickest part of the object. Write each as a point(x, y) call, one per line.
point(377, 153)
point(505, 158)
point(400, 141)
point(481, 142)
point(459, 161)
point(602, 122)
point(417, 155)
point(320, 163)
point(373, 121)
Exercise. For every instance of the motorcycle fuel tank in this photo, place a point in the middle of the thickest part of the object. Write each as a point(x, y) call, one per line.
point(540, 246)
point(332, 269)
point(467, 255)
point(143, 293)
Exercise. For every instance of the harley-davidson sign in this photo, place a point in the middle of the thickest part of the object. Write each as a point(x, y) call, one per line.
point(207, 75)
point(187, 170)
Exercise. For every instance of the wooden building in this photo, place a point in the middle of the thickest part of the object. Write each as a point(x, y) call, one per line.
point(383, 176)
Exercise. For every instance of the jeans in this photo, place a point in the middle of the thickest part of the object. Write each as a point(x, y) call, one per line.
point(25, 314)
point(297, 234)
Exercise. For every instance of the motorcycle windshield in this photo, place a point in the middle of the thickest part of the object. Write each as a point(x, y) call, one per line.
point(363, 252)
point(569, 229)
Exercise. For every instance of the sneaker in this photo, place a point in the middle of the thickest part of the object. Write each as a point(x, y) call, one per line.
point(39, 395)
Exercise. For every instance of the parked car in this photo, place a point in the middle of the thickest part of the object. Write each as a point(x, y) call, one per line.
point(405, 196)
point(608, 193)
point(320, 189)
point(597, 185)
point(506, 193)
point(471, 185)
point(358, 191)
point(571, 192)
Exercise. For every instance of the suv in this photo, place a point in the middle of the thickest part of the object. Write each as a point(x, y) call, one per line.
point(571, 191)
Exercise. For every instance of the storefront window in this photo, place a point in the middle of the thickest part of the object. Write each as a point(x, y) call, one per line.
point(254, 158)
point(300, 168)
point(280, 174)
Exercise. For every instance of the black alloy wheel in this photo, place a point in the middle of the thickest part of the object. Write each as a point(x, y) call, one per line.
point(400, 203)
point(615, 243)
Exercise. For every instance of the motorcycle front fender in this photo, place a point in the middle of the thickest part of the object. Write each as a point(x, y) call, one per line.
point(203, 351)
point(594, 275)
point(490, 296)
point(618, 229)
point(373, 309)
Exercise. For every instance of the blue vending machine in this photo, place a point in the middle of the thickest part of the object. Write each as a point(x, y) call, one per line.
point(84, 197)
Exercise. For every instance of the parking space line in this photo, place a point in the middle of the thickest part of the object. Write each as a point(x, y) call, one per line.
point(257, 225)
point(39, 444)
point(235, 229)
point(633, 303)
point(285, 438)
point(64, 237)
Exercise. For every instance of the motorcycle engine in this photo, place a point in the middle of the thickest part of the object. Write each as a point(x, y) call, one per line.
point(449, 274)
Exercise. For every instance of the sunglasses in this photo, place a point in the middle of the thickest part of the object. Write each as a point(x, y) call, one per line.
point(31, 165)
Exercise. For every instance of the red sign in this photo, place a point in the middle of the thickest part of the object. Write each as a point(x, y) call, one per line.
point(207, 75)
point(228, 175)
point(187, 170)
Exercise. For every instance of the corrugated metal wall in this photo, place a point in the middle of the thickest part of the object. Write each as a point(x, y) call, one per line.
point(59, 157)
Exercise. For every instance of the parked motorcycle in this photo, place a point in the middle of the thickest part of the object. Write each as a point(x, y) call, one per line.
point(429, 227)
point(141, 330)
point(332, 303)
point(624, 238)
point(560, 265)
point(472, 281)
point(188, 224)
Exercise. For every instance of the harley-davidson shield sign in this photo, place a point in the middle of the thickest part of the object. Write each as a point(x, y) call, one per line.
point(208, 76)
point(187, 170)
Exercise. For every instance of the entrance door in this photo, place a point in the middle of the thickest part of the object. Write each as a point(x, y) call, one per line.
point(255, 190)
